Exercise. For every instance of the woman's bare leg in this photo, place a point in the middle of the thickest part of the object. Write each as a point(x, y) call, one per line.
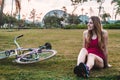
point(82, 56)
point(93, 60)
point(99, 63)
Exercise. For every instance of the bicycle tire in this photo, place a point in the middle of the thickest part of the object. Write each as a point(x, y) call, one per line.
point(43, 55)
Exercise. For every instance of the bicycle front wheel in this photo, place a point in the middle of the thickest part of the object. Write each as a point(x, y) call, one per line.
point(35, 57)
point(3, 55)
point(6, 54)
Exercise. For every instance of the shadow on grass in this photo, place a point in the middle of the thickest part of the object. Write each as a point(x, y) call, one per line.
point(38, 65)
point(22, 70)
point(115, 77)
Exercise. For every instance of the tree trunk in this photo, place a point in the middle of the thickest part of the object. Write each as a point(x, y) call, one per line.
point(1, 13)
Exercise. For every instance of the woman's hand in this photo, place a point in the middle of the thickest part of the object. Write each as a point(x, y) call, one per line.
point(109, 66)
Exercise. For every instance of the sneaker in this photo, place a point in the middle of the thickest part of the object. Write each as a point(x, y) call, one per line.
point(84, 69)
point(77, 71)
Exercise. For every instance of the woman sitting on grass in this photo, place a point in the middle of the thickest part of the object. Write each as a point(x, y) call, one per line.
point(94, 51)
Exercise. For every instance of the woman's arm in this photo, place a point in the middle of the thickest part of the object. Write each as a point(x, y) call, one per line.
point(84, 38)
point(105, 48)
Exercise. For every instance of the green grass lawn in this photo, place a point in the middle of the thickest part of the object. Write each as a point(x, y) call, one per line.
point(67, 43)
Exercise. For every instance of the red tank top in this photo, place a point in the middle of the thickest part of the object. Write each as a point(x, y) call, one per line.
point(93, 48)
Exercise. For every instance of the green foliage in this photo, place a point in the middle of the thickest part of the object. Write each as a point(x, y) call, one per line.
point(112, 26)
point(83, 26)
point(73, 19)
point(118, 21)
point(73, 26)
point(32, 26)
point(9, 19)
point(75, 2)
point(52, 21)
point(55, 21)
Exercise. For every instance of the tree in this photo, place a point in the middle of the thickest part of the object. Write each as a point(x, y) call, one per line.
point(73, 19)
point(33, 15)
point(76, 2)
point(117, 7)
point(52, 21)
point(18, 8)
point(65, 12)
point(1, 12)
point(105, 16)
point(100, 6)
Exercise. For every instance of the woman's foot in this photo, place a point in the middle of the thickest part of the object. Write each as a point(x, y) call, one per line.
point(84, 70)
point(77, 71)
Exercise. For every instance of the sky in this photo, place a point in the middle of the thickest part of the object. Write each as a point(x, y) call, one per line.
point(44, 6)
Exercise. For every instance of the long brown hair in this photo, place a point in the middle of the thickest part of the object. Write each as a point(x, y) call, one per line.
point(98, 31)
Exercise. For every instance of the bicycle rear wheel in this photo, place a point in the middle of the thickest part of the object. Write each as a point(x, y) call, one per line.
point(35, 57)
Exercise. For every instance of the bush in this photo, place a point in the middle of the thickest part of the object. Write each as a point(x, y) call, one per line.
point(73, 26)
point(112, 26)
point(83, 26)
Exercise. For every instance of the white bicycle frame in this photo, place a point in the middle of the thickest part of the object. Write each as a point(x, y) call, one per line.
point(22, 53)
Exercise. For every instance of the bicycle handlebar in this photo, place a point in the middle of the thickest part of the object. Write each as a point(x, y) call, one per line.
point(19, 36)
point(18, 46)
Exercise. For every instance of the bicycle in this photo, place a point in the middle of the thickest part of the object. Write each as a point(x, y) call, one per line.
point(29, 55)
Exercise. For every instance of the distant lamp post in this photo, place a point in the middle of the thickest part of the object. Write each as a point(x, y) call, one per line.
point(82, 9)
